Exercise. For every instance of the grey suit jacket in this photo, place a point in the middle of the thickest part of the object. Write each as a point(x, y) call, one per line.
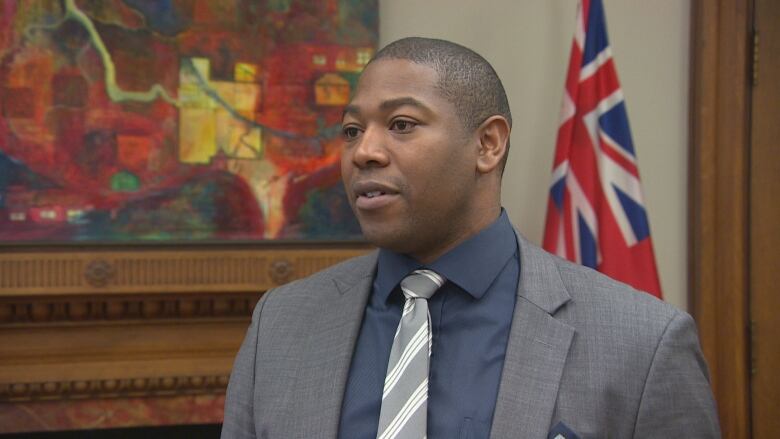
point(584, 352)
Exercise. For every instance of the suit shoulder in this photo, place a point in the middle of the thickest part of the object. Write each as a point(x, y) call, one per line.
point(594, 294)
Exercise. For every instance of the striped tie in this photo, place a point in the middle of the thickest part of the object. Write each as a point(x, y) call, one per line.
point(404, 412)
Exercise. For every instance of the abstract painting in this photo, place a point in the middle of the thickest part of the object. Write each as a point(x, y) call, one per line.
point(177, 120)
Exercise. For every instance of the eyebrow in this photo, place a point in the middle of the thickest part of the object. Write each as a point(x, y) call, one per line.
point(389, 105)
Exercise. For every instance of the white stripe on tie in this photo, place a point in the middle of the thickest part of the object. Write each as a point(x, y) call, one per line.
point(414, 402)
point(412, 349)
point(432, 275)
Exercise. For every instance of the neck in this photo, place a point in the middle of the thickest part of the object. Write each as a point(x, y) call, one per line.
point(435, 252)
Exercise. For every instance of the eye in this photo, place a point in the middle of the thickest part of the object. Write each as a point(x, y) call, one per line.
point(402, 125)
point(350, 132)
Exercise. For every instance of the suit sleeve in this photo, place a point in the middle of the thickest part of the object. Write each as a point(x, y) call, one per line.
point(677, 400)
point(239, 403)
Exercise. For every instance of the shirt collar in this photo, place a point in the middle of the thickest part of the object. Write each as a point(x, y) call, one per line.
point(472, 265)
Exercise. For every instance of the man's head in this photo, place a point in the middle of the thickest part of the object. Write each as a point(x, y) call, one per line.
point(465, 78)
point(426, 136)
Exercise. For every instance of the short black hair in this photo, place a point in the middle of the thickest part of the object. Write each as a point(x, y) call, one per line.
point(466, 79)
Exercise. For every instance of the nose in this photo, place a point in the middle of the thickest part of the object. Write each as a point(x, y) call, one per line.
point(370, 150)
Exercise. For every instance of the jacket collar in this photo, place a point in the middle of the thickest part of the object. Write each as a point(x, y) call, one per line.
point(540, 281)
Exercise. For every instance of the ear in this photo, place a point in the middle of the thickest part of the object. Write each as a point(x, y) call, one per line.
point(493, 138)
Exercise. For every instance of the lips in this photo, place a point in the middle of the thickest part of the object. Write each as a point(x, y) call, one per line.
point(372, 195)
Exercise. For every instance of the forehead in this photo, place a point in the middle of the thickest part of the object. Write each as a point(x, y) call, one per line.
point(387, 80)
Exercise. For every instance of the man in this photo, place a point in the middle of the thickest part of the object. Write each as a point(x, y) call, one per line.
point(494, 338)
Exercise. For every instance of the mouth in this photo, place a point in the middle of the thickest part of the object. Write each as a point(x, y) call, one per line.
point(373, 195)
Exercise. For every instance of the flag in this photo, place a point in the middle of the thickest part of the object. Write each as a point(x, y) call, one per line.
point(595, 214)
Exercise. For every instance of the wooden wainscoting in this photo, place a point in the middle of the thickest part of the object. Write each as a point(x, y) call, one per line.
point(99, 323)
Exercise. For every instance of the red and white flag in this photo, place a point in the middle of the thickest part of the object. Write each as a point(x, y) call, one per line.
point(595, 214)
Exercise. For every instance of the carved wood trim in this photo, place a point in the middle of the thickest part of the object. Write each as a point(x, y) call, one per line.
point(26, 273)
point(147, 321)
point(114, 388)
point(29, 311)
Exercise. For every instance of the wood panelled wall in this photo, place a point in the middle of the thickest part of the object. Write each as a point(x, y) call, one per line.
point(94, 323)
point(718, 200)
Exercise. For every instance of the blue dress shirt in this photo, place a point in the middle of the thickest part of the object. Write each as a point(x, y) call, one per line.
point(471, 316)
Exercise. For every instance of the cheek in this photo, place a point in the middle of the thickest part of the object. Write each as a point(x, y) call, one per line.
point(448, 185)
point(432, 190)
point(346, 177)
point(444, 175)
point(346, 168)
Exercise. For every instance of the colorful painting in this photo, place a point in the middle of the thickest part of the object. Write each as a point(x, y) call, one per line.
point(130, 120)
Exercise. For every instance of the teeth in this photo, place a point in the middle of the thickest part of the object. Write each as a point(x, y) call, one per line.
point(373, 194)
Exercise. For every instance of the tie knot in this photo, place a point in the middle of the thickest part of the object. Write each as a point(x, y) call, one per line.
point(421, 284)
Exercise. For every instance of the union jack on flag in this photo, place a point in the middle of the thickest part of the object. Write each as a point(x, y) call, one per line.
point(595, 214)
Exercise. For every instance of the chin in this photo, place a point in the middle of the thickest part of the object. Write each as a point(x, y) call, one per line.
point(376, 237)
point(383, 237)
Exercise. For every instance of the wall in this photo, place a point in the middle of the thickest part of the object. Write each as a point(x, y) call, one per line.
point(528, 43)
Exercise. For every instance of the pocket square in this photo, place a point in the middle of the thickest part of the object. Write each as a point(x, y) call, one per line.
point(561, 431)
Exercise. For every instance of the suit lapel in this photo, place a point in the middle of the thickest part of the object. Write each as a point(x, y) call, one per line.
point(535, 356)
point(536, 351)
point(330, 348)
